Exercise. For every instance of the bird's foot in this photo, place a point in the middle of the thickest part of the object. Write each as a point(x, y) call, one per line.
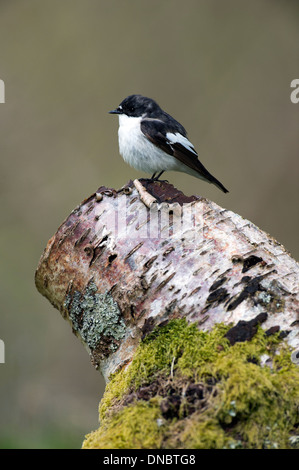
point(157, 178)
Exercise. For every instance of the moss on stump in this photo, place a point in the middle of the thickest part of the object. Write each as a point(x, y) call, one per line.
point(189, 389)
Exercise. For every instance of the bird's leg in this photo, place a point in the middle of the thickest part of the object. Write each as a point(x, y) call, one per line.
point(157, 177)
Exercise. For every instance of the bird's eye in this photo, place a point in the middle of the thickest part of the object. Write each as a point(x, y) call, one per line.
point(132, 109)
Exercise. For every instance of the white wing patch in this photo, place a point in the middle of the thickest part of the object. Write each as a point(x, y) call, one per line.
point(179, 138)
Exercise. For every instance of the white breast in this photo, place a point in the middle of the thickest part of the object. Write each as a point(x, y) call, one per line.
point(129, 133)
point(138, 151)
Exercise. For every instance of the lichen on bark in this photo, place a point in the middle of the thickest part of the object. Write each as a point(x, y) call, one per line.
point(95, 316)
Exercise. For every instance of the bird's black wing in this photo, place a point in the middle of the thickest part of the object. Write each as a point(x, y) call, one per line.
point(166, 138)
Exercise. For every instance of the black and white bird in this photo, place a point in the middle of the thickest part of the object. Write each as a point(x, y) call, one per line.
point(152, 141)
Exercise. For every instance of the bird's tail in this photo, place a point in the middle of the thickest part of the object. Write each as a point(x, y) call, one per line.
point(218, 184)
point(202, 173)
point(205, 174)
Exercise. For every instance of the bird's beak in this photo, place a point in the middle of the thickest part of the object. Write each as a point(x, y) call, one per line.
point(116, 111)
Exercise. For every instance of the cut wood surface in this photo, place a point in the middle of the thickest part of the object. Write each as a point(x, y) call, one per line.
point(125, 261)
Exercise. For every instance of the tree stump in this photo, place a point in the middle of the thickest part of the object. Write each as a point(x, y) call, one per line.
point(127, 266)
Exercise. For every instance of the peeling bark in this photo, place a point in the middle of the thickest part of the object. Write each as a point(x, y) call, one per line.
point(123, 263)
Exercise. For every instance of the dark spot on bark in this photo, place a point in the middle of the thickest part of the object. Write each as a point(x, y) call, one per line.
point(111, 258)
point(217, 296)
point(245, 279)
point(249, 262)
point(252, 287)
point(197, 289)
point(133, 250)
point(245, 330)
point(163, 283)
point(283, 334)
point(132, 311)
point(203, 320)
point(168, 251)
point(272, 330)
point(217, 284)
point(149, 262)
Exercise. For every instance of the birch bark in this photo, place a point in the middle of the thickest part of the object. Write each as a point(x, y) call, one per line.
point(126, 261)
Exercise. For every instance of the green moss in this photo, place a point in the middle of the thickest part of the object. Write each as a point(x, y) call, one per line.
point(134, 427)
point(248, 405)
point(160, 352)
point(200, 432)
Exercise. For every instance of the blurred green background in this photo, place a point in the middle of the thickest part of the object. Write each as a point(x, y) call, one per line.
point(223, 68)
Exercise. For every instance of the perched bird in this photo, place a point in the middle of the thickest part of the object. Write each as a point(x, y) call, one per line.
point(152, 141)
